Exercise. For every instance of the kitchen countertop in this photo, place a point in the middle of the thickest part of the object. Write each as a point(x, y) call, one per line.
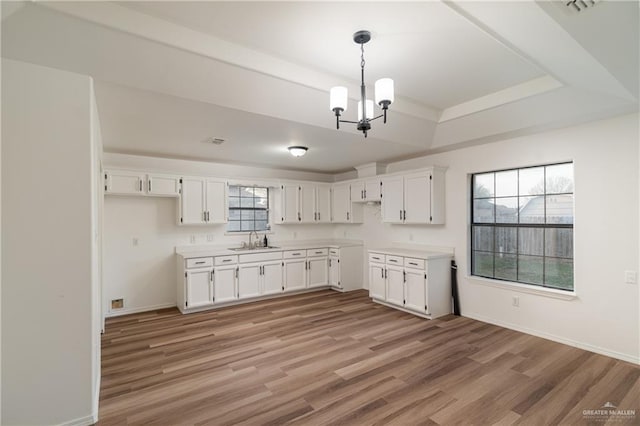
point(420, 254)
point(219, 250)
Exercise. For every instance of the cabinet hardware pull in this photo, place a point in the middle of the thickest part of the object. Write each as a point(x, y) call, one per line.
point(362, 194)
point(237, 269)
point(400, 214)
point(318, 215)
point(365, 193)
point(309, 265)
point(347, 215)
point(199, 263)
point(405, 215)
point(140, 181)
point(381, 273)
point(412, 263)
point(226, 260)
point(149, 181)
point(299, 218)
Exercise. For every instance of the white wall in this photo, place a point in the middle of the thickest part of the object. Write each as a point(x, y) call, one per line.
point(605, 315)
point(46, 246)
point(144, 275)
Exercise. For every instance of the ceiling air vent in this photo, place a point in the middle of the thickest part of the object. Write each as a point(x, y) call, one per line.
point(580, 5)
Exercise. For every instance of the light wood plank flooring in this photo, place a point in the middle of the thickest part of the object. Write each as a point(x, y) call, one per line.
point(332, 358)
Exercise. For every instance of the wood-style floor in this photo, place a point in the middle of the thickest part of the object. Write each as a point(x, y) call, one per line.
point(332, 358)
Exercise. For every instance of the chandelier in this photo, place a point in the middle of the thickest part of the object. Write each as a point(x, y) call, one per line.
point(338, 97)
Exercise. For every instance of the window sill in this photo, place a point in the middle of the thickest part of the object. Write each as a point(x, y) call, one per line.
point(231, 233)
point(525, 288)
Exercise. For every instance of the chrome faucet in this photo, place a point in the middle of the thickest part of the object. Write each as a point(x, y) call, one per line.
point(253, 245)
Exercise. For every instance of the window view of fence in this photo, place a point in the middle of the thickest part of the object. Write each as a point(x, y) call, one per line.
point(522, 225)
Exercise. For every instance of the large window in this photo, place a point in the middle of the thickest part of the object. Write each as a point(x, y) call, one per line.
point(522, 225)
point(248, 209)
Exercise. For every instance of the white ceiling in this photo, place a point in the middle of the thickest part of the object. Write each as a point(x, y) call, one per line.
point(169, 75)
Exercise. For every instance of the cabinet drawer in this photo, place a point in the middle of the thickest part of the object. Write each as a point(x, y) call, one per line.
point(292, 254)
point(199, 262)
point(334, 252)
point(226, 260)
point(376, 257)
point(318, 252)
point(411, 262)
point(395, 260)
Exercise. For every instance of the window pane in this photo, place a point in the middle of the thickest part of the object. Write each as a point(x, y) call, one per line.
point(246, 191)
point(560, 208)
point(530, 241)
point(260, 192)
point(261, 225)
point(247, 215)
point(234, 225)
point(559, 273)
point(234, 214)
point(506, 240)
point(531, 181)
point(559, 178)
point(246, 202)
point(483, 185)
point(261, 215)
point(507, 210)
point(507, 184)
point(262, 203)
point(483, 211)
point(247, 225)
point(483, 238)
point(530, 269)
point(506, 267)
point(532, 209)
point(234, 202)
point(558, 242)
point(234, 191)
point(482, 264)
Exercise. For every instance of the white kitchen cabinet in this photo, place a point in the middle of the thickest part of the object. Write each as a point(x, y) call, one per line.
point(304, 203)
point(357, 191)
point(290, 200)
point(419, 283)
point(272, 277)
point(224, 283)
point(342, 209)
point(123, 182)
point(317, 271)
point(323, 204)
point(345, 268)
point(334, 272)
point(203, 201)
point(366, 191)
point(414, 198)
point(295, 274)
point(307, 204)
point(163, 185)
point(249, 276)
point(199, 287)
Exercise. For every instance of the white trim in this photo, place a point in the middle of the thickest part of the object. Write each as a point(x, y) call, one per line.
point(82, 421)
point(96, 397)
point(581, 345)
point(524, 288)
point(126, 311)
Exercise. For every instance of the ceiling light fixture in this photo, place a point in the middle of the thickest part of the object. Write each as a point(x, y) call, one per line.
point(338, 97)
point(297, 151)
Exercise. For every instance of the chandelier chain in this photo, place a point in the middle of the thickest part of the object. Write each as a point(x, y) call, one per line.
point(362, 55)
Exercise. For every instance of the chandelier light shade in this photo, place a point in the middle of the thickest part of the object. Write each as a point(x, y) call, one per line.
point(339, 96)
point(297, 151)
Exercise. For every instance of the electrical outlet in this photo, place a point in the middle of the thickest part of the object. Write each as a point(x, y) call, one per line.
point(630, 277)
point(135, 242)
point(515, 301)
point(117, 304)
point(192, 239)
point(209, 237)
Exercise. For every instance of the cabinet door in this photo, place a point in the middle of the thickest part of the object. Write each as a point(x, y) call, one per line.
point(216, 197)
point(192, 204)
point(163, 186)
point(416, 294)
point(395, 285)
point(417, 198)
point(224, 284)
point(199, 287)
point(323, 204)
point(290, 204)
point(295, 277)
point(334, 272)
point(357, 192)
point(373, 190)
point(249, 280)
point(318, 271)
point(341, 204)
point(307, 203)
point(377, 287)
point(272, 277)
point(124, 183)
point(393, 199)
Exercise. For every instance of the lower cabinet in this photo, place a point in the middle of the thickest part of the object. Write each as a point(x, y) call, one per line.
point(334, 272)
point(318, 271)
point(199, 287)
point(224, 283)
point(295, 274)
point(272, 277)
point(259, 279)
point(417, 285)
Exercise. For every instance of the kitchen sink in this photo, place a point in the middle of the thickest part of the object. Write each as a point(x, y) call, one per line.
point(252, 249)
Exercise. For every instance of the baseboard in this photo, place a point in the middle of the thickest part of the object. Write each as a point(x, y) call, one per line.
point(559, 339)
point(126, 311)
point(82, 421)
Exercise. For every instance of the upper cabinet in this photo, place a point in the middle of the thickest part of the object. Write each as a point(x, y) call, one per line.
point(304, 203)
point(125, 182)
point(203, 201)
point(414, 198)
point(366, 190)
point(342, 208)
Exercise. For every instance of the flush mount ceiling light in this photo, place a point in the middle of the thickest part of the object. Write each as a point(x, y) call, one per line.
point(297, 151)
point(383, 95)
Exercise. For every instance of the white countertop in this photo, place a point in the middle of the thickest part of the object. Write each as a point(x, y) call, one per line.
point(219, 250)
point(420, 254)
